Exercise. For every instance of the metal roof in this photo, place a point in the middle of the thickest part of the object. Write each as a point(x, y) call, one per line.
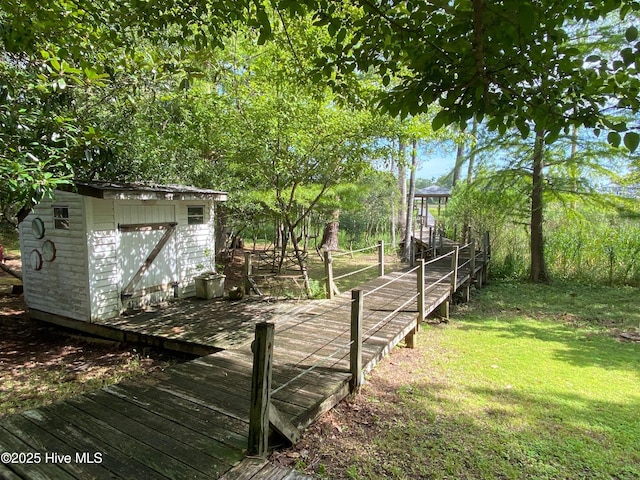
point(433, 191)
point(146, 191)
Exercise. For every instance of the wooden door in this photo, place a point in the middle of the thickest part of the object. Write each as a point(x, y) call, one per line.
point(147, 250)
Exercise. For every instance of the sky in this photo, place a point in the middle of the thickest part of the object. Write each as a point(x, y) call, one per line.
point(435, 164)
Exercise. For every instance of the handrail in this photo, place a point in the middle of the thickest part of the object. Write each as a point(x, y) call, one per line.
point(391, 281)
point(351, 252)
point(354, 272)
point(388, 317)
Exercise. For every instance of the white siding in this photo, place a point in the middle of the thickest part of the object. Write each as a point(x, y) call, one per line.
point(102, 245)
point(193, 242)
point(61, 286)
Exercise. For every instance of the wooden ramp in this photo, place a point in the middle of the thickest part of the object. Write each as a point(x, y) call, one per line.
point(191, 421)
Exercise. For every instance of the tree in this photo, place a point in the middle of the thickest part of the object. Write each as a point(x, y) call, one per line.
point(515, 63)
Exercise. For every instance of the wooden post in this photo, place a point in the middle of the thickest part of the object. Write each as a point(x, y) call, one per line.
point(472, 260)
point(424, 219)
point(485, 256)
point(357, 378)
point(455, 232)
point(444, 309)
point(381, 258)
point(454, 269)
point(262, 348)
point(248, 270)
point(328, 273)
point(421, 286)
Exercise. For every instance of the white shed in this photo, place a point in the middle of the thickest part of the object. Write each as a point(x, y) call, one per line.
point(93, 253)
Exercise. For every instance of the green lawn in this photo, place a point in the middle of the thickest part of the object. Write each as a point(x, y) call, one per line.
point(524, 382)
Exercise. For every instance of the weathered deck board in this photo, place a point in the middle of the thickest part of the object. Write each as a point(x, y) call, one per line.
point(191, 421)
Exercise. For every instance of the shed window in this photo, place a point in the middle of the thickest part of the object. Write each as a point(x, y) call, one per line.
point(195, 215)
point(61, 218)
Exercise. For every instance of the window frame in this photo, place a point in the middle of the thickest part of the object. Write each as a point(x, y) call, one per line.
point(61, 217)
point(196, 219)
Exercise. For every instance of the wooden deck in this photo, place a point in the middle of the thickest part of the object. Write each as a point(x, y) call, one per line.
point(192, 420)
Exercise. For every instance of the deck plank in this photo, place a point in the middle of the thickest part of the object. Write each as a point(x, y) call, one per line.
point(191, 421)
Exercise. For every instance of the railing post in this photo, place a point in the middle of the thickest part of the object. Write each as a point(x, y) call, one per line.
point(455, 232)
point(355, 354)
point(262, 348)
point(328, 273)
point(381, 258)
point(486, 251)
point(421, 287)
point(248, 270)
point(454, 269)
point(472, 259)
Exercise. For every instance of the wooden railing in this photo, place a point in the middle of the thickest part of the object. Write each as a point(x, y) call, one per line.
point(264, 414)
point(329, 257)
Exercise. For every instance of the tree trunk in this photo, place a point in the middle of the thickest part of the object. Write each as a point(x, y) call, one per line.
point(412, 191)
point(458, 165)
point(301, 259)
point(394, 207)
point(402, 185)
point(330, 235)
point(472, 154)
point(538, 265)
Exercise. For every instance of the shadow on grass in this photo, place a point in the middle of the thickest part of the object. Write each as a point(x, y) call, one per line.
point(434, 430)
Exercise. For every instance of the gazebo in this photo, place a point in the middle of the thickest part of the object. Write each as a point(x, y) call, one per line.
point(434, 192)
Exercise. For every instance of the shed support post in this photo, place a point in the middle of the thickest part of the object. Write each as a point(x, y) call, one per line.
point(248, 270)
point(328, 273)
point(381, 258)
point(262, 348)
point(355, 354)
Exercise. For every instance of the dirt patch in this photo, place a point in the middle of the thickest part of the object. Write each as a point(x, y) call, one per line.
point(332, 445)
point(42, 363)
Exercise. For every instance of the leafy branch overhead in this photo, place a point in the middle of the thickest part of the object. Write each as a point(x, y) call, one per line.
point(513, 63)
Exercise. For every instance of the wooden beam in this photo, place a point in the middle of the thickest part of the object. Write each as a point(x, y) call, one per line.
point(145, 227)
point(357, 376)
point(283, 426)
point(261, 389)
point(328, 273)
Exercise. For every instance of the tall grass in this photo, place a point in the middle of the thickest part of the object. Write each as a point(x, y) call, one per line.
point(586, 243)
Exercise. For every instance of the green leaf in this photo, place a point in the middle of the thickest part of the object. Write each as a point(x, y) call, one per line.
point(523, 126)
point(439, 120)
point(614, 139)
point(631, 34)
point(631, 141)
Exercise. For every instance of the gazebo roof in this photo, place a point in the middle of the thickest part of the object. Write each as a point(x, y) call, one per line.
point(433, 191)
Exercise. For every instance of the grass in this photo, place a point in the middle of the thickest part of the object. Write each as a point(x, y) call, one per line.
point(31, 386)
point(525, 382)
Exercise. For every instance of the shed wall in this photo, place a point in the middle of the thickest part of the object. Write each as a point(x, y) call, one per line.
point(102, 244)
point(196, 248)
point(61, 286)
